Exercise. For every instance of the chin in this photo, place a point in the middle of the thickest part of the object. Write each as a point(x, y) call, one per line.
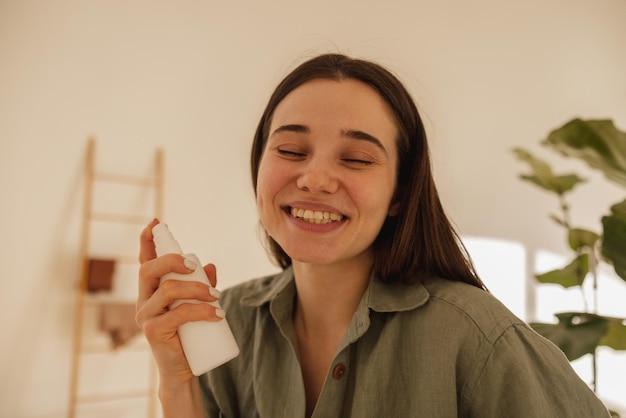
point(312, 260)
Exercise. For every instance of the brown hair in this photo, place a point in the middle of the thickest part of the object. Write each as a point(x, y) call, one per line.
point(420, 241)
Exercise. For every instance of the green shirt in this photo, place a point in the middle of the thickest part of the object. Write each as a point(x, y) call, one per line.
point(438, 349)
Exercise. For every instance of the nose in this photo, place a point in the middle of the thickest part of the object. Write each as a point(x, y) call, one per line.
point(318, 177)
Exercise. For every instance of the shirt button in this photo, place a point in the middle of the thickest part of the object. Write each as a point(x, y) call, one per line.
point(339, 371)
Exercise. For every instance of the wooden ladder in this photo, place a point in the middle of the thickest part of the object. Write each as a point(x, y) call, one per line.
point(153, 186)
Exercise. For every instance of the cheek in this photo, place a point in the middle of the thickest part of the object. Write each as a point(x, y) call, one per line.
point(374, 196)
point(273, 175)
point(268, 184)
point(261, 187)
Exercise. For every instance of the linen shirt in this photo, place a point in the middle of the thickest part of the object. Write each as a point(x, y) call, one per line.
point(433, 349)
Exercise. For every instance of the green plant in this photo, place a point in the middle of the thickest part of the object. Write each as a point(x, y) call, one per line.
point(602, 147)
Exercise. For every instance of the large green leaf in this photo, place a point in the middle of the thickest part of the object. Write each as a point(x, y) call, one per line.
point(543, 176)
point(571, 275)
point(579, 238)
point(615, 336)
point(597, 142)
point(614, 238)
point(576, 333)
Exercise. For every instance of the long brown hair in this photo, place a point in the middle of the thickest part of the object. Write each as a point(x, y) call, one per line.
point(420, 241)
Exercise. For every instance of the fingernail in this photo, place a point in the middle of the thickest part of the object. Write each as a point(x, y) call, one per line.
point(214, 292)
point(220, 313)
point(190, 264)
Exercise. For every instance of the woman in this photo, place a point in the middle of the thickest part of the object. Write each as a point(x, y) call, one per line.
point(378, 311)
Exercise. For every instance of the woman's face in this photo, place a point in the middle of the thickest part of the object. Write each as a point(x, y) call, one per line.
point(327, 176)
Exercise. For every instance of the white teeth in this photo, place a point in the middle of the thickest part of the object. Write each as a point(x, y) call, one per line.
point(316, 216)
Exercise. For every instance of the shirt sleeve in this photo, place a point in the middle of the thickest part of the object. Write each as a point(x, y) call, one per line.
point(525, 375)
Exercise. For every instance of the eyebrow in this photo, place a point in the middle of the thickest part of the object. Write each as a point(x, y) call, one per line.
point(349, 133)
point(364, 136)
point(291, 128)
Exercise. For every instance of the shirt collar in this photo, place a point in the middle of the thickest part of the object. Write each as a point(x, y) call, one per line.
point(394, 297)
point(268, 288)
point(379, 296)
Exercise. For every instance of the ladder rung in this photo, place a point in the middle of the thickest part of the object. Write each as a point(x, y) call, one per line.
point(114, 217)
point(107, 349)
point(123, 179)
point(94, 398)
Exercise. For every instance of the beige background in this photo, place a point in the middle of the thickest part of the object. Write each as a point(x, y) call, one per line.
point(193, 76)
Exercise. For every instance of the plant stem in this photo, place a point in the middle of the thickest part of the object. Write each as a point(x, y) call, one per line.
point(592, 270)
point(565, 210)
point(568, 226)
point(593, 263)
point(594, 370)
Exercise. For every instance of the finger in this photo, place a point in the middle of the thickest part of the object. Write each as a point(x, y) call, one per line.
point(211, 273)
point(172, 291)
point(164, 327)
point(147, 250)
point(192, 312)
point(151, 271)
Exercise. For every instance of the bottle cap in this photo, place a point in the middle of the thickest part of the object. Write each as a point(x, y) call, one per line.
point(164, 240)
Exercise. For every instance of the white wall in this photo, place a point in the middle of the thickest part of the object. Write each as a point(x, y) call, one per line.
point(192, 77)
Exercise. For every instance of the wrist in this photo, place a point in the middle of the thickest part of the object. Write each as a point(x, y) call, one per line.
point(181, 398)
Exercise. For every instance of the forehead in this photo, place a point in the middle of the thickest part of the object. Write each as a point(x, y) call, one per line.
point(343, 104)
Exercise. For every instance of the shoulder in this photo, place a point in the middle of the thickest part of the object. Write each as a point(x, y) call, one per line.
point(457, 301)
point(254, 287)
point(502, 351)
point(256, 292)
point(242, 301)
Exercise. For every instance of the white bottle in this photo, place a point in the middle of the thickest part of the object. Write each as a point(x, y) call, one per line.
point(206, 344)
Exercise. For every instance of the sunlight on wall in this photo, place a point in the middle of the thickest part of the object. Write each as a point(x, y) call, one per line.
point(502, 266)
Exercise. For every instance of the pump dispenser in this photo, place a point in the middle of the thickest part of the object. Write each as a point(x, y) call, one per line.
point(206, 344)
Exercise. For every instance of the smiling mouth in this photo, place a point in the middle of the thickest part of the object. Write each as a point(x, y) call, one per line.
point(315, 216)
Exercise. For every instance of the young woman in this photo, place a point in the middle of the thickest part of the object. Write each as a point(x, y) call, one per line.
point(378, 311)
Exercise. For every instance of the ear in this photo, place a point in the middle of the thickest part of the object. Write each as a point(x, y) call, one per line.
point(394, 209)
point(394, 206)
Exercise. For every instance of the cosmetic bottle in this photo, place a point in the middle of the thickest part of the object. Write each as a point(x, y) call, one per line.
point(206, 344)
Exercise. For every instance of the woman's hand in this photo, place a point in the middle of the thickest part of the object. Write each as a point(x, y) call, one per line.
point(158, 322)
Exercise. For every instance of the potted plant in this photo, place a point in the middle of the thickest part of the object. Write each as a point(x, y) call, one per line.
point(602, 147)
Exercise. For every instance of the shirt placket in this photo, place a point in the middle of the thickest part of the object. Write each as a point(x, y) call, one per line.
point(336, 397)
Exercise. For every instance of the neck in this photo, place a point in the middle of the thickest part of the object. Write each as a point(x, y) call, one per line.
point(328, 295)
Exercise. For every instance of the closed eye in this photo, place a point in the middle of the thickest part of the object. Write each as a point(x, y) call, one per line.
point(358, 162)
point(290, 154)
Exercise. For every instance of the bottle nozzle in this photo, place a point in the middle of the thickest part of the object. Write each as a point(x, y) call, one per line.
point(164, 240)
